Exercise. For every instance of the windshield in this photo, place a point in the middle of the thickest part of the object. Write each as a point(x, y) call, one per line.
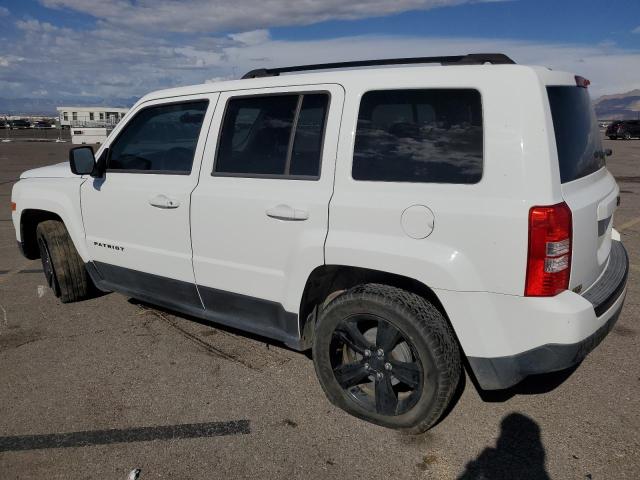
point(576, 130)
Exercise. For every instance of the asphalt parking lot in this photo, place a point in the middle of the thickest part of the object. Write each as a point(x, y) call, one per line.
point(95, 389)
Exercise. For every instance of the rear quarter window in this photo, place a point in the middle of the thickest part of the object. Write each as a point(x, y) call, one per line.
point(576, 132)
point(426, 135)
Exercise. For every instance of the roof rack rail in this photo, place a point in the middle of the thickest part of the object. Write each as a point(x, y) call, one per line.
point(469, 59)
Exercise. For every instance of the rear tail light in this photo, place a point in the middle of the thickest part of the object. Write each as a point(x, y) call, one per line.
point(549, 256)
point(13, 206)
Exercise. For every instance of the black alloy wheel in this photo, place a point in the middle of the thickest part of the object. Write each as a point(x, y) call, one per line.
point(387, 356)
point(376, 365)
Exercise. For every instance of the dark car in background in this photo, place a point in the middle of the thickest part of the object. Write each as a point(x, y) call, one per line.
point(43, 124)
point(624, 129)
point(19, 124)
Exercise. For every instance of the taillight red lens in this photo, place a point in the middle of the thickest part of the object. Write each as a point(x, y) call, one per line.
point(549, 257)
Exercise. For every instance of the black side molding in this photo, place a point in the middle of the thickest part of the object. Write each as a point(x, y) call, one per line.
point(254, 315)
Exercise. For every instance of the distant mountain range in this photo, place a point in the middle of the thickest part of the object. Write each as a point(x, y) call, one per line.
point(622, 106)
point(47, 106)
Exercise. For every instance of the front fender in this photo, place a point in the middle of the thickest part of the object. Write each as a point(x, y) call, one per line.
point(56, 195)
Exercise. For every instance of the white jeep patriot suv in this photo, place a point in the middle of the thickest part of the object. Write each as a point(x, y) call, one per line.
point(396, 220)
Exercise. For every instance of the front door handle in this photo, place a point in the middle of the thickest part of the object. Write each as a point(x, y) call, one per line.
point(286, 212)
point(162, 201)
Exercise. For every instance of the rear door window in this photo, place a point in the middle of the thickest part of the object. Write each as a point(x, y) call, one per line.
point(432, 136)
point(576, 131)
point(273, 136)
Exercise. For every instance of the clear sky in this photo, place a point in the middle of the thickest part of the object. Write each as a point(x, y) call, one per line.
point(119, 49)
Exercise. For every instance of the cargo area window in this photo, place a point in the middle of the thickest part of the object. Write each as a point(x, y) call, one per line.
point(576, 132)
point(159, 139)
point(272, 136)
point(431, 136)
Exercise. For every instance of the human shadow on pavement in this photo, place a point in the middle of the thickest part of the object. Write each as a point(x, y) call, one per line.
point(518, 453)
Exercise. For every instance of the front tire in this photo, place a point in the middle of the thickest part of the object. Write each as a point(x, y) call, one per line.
point(387, 356)
point(63, 267)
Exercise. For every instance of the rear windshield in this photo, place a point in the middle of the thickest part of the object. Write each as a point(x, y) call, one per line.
point(577, 133)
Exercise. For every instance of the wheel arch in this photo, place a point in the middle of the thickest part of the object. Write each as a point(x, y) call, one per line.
point(29, 220)
point(41, 199)
point(325, 280)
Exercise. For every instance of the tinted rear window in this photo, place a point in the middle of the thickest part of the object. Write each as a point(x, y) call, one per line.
point(275, 135)
point(419, 136)
point(577, 133)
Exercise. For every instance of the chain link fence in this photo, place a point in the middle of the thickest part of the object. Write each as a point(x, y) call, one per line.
point(18, 128)
point(50, 134)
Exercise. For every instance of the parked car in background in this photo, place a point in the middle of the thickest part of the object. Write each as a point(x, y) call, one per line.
point(624, 129)
point(42, 124)
point(19, 124)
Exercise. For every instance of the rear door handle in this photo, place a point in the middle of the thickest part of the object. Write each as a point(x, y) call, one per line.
point(162, 201)
point(286, 212)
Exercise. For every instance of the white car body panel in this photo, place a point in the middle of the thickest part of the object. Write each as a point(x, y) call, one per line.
point(236, 246)
point(479, 242)
point(59, 170)
point(118, 213)
point(592, 199)
point(56, 195)
point(492, 325)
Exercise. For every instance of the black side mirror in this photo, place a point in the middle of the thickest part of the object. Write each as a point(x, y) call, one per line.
point(81, 160)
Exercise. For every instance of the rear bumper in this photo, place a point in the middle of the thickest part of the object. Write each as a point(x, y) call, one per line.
point(504, 372)
point(563, 329)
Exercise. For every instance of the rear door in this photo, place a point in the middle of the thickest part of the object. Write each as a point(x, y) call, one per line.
point(587, 186)
point(260, 213)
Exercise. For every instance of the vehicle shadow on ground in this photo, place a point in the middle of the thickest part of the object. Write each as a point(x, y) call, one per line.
point(518, 454)
point(218, 326)
point(532, 385)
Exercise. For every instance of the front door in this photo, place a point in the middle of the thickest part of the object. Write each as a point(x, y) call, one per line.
point(136, 217)
point(259, 215)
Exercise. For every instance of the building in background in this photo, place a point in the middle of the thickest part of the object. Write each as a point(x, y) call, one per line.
point(90, 124)
point(90, 117)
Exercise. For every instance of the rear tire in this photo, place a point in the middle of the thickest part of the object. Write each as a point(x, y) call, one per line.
point(612, 137)
point(63, 267)
point(398, 368)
